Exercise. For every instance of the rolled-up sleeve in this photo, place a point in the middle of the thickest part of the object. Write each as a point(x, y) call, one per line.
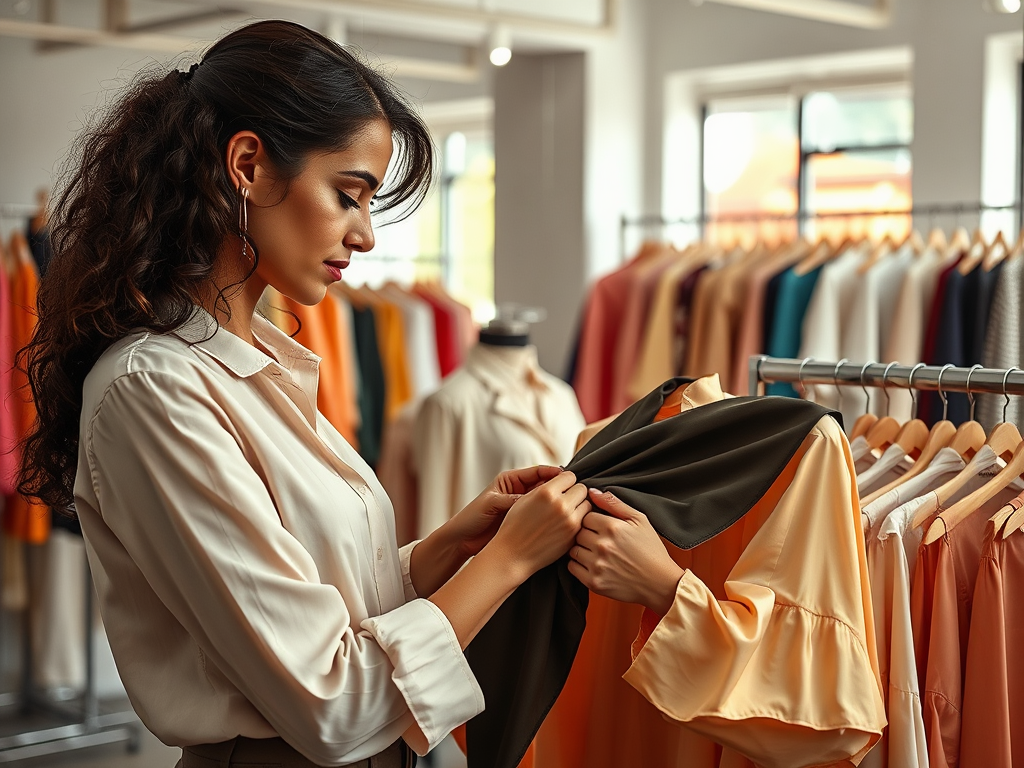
point(180, 488)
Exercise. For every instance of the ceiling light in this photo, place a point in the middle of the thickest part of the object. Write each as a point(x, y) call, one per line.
point(501, 46)
point(1006, 6)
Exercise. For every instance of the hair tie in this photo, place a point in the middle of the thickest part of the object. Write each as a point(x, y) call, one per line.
point(186, 76)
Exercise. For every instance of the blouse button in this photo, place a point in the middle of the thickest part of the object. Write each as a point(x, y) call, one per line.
point(380, 553)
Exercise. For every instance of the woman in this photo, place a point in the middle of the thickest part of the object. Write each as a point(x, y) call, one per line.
point(257, 606)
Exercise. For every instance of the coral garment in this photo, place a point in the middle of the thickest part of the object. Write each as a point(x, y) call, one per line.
point(23, 519)
point(993, 709)
point(722, 665)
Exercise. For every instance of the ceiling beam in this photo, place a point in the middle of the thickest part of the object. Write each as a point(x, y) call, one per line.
point(411, 8)
point(426, 69)
point(834, 11)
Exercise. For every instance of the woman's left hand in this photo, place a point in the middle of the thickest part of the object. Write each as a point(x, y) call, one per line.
point(476, 525)
point(620, 555)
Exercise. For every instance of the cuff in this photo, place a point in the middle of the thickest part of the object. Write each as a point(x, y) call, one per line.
point(405, 559)
point(431, 671)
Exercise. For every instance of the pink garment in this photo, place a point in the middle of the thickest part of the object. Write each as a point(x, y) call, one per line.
point(638, 300)
point(750, 334)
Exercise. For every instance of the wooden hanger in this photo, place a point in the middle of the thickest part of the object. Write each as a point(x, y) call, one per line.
point(937, 240)
point(884, 432)
point(966, 443)
point(970, 504)
point(865, 421)
point(996, 253)
point(821, 254)
point(915, 241)
point(958, 243)
point(918, 442)
point(975, 253)
point(879, 252)
point(1007, 444)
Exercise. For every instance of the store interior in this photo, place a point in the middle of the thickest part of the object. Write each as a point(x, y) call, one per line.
point(570, 134)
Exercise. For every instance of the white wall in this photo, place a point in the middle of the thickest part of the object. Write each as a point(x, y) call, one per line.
point(947, 42)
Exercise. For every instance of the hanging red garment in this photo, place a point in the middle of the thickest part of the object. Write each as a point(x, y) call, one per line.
point(446, 329)
point(25, 520)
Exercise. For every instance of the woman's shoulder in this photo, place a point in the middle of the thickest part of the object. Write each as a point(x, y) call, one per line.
point(139, 353)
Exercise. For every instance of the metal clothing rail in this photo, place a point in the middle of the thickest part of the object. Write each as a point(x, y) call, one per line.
point(927, 211)
point(998, 381)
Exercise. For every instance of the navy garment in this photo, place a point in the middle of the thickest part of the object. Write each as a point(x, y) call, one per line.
point(371, 384)
point(771, 297)
point(949, 349)
point(693, 475)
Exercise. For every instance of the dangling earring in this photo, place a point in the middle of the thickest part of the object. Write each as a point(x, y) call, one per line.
point(243, 221)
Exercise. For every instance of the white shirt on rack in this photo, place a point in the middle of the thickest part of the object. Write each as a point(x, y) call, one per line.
point(245, 557)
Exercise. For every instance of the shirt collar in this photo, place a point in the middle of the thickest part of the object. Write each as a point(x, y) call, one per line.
point(505, 368)
point(703, 391)
point(238, 356)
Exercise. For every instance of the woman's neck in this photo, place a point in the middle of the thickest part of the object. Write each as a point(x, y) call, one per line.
point(231, 297)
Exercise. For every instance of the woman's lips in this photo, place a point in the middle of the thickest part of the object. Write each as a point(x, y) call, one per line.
point(334, 269)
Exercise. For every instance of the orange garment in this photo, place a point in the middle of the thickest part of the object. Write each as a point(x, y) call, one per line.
point(25, 520)
point(322, 333)
point(391, 342)
point(730, 663)
point(993, 710)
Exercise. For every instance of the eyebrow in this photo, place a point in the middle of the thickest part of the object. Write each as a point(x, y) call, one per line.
point(369, 178)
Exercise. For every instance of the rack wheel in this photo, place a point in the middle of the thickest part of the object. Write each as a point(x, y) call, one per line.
point(134, 742)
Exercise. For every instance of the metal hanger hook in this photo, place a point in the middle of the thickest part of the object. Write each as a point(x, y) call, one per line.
point(835, 380)
point(914, 394)
point(864, 387)
point(1006, 396)
point(970, 394)
point(885, 385)
point(800, 374)
point(942, 392)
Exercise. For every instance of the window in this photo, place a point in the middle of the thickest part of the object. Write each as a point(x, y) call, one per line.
point(451, 236)
point(827, 152)
point(751, 165)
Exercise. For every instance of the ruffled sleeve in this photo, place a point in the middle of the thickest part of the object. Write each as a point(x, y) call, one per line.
point(780, 667)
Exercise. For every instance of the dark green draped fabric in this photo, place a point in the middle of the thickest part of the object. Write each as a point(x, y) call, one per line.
point(693, 475)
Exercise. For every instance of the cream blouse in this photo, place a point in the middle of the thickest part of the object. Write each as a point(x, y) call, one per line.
point(245, 556)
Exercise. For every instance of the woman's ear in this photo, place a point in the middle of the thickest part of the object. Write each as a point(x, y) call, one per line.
point(244, 153)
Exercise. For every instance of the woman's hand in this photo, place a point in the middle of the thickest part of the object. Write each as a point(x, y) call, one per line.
point(621, 556)
point(476, 525)
point(541, 525)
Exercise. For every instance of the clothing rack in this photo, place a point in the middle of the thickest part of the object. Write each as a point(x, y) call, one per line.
point(77, 723)
point(929, 212)
point(997, 381)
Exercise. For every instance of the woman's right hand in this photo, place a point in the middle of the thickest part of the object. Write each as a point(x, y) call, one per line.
point(542, 525)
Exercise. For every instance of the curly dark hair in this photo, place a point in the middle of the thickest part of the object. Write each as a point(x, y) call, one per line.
point(146, 201)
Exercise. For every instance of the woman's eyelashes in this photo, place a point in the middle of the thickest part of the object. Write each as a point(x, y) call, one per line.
point(347, 202)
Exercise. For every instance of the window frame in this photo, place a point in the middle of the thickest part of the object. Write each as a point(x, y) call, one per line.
point(805, 155)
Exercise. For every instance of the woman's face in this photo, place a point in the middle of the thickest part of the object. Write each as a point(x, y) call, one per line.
point(307, 238)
